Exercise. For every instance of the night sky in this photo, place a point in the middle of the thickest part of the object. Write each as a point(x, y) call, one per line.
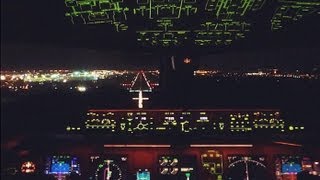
point(35, 34)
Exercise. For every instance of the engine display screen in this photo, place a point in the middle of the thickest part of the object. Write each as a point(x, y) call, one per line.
point(143, 175)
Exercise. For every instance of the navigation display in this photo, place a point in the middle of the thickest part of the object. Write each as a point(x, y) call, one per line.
point(62, 165)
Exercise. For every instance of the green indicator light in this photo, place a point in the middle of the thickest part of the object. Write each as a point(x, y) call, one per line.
point(188, 175)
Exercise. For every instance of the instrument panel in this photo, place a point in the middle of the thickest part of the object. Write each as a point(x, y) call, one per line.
point(210, 163)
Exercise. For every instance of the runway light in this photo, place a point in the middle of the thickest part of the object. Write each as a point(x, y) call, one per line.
point(220, 145)
point(136, 146)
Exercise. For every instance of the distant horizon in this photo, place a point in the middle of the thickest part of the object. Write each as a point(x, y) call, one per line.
point(26, 56)
point(315, 68)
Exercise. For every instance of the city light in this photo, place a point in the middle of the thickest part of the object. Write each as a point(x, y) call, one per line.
point(82, 88)
point(18, 80)
point(35, 79)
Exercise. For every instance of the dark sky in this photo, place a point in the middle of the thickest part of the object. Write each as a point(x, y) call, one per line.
point(35, 34)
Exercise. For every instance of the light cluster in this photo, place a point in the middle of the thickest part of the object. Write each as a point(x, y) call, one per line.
point(176, 166)
point(131, 80)
point(57, 75)
point(202, 122)
point(28, 167)
point(260, 73)
point(73, 79)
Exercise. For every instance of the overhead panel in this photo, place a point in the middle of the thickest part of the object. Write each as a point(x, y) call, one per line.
point(291, 11)
point(168, 23)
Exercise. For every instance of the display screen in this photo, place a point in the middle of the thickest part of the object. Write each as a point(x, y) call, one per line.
point(291, 164)
point(288, 166)
point(109, 167)
point(246, 167)
point(291, 168)
point(143, 175)
point(62, 165)
point(212, 162)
